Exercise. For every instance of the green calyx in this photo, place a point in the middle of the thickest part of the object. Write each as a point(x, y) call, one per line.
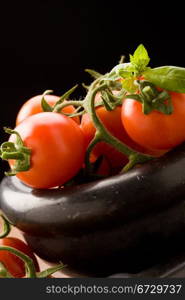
point(15, 151)
point(152, 99)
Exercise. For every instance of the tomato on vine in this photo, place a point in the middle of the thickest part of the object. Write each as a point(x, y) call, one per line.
point(155, 130)
point(14, 264)
point(33, 106)
point(112, 121)
point(45, 150)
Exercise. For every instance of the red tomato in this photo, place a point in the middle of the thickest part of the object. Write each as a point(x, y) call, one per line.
point(33, 106)
point(112, 121)
point(13, 263)
point(57, 149)
point(155, 130)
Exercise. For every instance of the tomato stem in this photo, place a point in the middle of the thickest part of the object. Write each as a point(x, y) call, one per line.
point(6, 227)
point(60, 106)
point(29, 265)
point(97, 138)
point(50, 271)
point(102, 134)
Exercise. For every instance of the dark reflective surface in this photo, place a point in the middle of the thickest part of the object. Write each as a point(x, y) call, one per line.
point(129, 222)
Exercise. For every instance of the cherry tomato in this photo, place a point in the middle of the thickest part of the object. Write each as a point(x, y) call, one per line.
point(13, 263)
point(33, 106)
point(57, 149)
point(112, 121)
point(155, 130)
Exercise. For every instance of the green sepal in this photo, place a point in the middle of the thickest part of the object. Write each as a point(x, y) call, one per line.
point(44, 104)
point(93, 73)
point(15, 151)
point(85, 86)
point(107, 101)
point(152, 99)
point(64, 97)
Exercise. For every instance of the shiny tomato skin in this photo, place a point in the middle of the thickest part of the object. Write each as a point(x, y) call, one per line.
point(33, 106)
point(57, 149)
point(155, 130)
point(13, 263)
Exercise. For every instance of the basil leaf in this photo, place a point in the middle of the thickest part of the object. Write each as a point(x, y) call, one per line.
point(140, 58)
point(167, 77)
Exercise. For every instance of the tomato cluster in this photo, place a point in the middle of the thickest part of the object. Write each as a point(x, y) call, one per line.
point(130, 115)
point(129, 109)
point(58, 143)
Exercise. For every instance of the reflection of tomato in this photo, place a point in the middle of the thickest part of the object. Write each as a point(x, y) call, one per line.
point(57, 149)
point(33, 106)
point(155, 130)
point(112, 121)
point(14, 264)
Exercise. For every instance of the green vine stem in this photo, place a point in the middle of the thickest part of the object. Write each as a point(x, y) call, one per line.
point(29, 265)
point(102, 134)
point(60, 106)
point(50, 271)
point(4, 273)
point(6, 227)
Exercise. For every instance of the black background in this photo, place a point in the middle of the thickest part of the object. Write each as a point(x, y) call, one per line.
point(48, 44)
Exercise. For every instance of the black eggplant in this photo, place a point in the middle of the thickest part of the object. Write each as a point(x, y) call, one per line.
point(124, 223)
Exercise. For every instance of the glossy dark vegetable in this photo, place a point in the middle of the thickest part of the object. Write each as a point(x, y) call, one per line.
point(121, 224)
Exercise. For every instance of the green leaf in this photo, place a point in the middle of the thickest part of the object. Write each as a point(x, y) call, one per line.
point(167, 77)
point(140, 58)
point(129, 85)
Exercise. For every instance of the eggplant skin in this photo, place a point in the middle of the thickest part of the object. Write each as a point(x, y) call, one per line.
point(112, 201)
point(111, 219)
